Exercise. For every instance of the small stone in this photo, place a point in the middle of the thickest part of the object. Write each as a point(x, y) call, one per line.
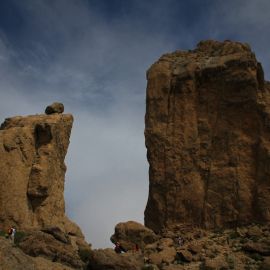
point(131, 233)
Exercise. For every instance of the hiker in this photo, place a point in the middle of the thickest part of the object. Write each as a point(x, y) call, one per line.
point(180, 241)
point(136, 248)
point(118, 248)
point(11, 234)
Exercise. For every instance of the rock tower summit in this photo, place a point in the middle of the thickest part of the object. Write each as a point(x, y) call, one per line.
point(207, 133)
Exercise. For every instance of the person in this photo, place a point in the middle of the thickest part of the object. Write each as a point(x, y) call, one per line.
point(11, 234)
point(180, 241)
point(118, 248)
point(136, 248)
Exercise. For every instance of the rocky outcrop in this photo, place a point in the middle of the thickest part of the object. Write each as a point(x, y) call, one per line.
point(108, 259)
point(207, 132)
point(46, 245)
point(239, 248)
point(132, 233)
point(11, 258)
point(55, 107)
point(32, 171)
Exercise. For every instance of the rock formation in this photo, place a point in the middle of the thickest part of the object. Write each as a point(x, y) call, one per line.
point(107, 259)
point(184, 247)
point(32, 172)
point(55, 107)
point(132, 233)
point(207, 132)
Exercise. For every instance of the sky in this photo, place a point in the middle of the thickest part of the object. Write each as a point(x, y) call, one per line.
point(92, 55)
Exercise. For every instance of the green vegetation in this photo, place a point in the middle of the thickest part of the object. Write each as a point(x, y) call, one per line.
point(2, 233)
point(18, 237)
point(230, 260)
point(234, 235)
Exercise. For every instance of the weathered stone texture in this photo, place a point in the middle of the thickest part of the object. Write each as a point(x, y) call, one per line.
point(132, 233)
point(55, 107)
point(207, 132)
point(102, 259)
point(32, 170)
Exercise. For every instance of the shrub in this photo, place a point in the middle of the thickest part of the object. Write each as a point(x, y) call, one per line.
point(18, 237)
point(2, 233)
point(230, 261)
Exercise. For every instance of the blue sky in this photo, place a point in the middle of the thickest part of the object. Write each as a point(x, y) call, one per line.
point(93, 56)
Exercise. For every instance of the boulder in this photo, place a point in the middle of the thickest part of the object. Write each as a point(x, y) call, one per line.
point(261, 248)
point(195, 247)
point(56, 107)
point(164, 243)
point(167, 256)
point(155, 258)
point(184, 255)
point(43, 244)
point(107, 259)
point(254, 231)
point(131, 233)
point(218, 263)
point(57, 233)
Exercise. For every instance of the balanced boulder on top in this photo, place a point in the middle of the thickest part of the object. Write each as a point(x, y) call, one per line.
point(56, 107)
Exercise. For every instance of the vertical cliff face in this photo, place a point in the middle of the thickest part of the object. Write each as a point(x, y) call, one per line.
point(32, 171)
point(207, 132)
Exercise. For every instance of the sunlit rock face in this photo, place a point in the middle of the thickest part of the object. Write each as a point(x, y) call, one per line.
point(32, 176)
point(32, 171)
point(207, 133)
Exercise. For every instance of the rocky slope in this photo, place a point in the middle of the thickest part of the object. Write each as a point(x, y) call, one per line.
point(208, 138)
point(184, 247)
point(32, 172)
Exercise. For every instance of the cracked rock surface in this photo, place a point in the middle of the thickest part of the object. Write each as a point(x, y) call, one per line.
point(207, 133)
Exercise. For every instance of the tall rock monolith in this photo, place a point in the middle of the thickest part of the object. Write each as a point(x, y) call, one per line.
point(32, 172)
point(207, 133)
